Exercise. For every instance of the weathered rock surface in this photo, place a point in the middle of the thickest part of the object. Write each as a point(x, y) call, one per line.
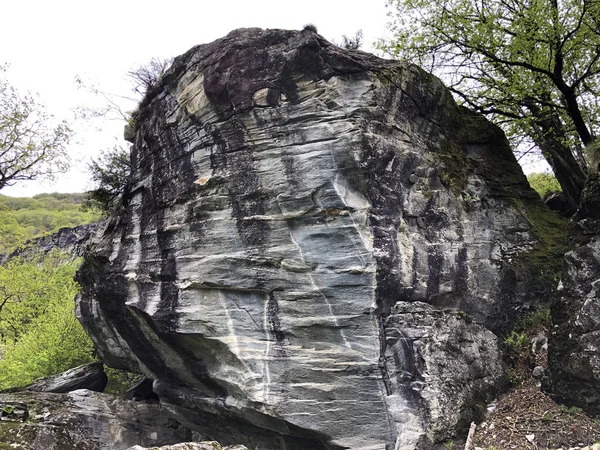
point(193, 446)
point(88, 376)
point(455, 369)
point(291, 206)
point(86, 420)
point(574, 344)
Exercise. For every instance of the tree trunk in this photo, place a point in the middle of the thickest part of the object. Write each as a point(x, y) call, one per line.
point(548, 134)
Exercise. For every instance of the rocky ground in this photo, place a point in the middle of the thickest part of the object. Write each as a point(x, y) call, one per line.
point(525, 418)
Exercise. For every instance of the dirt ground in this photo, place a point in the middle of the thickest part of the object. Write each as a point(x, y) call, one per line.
point(527, 419)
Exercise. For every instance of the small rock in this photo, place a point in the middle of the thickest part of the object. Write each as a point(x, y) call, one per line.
point(530, 437)
point(538, 372)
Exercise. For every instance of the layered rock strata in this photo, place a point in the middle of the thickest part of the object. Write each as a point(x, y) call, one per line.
point(71, 241)
point(301, 227)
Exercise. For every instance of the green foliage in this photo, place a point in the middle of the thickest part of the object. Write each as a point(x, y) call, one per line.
point(40, 334)
point(31, 145)
point(533, 322)
point(110, 174)
point(516, 342)
point(514, 376)
point(571, 410)
point(592, 154)
point(119, 381)
point(544, 183)
point(23, 218)
point(449, 445)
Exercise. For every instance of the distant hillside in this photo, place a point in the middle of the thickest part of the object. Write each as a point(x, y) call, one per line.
point(24, 218)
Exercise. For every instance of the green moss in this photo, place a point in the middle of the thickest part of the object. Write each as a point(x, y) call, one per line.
point(550, 231)
point(12, 433)
point(453, 175)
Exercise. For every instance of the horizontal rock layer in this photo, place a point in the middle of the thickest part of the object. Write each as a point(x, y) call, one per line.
point(290, 202)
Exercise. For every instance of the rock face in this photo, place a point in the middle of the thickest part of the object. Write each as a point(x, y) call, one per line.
point(573, 358)
point(86, 420)
point(192, 446)
point(302, 226)
point(88, 376)
point(69, 240)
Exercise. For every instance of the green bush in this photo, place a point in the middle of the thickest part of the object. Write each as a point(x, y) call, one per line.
point(40, 334)
point(544, 183)
point(119, 381)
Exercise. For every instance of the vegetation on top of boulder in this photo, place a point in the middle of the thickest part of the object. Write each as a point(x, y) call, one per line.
point(109, 173)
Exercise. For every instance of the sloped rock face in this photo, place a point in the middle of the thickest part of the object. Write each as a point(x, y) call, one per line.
point(68, 240)
point(573, 356)
point(86, 420)
point(286, 196)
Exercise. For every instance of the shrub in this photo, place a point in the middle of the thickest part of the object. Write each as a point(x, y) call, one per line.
point(41, 335)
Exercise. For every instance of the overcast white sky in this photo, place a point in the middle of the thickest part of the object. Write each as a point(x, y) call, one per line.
point(49, 43)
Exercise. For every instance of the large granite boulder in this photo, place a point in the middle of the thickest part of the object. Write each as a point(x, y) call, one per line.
point(574, 344)
point(302, 225)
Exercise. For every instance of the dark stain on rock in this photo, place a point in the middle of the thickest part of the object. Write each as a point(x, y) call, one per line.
point(461, 284)
point(274, 324)
point(384, 190)
point(435, 262)
point(235, 158)
point(289, 169)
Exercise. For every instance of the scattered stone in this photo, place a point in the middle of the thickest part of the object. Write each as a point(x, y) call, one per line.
point(14, 411)
point(538, 372)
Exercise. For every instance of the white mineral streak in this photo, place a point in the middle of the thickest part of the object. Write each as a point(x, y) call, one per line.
point(315, 263)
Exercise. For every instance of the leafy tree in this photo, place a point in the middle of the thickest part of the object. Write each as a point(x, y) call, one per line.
point(40, 333)
point(533, 66)
point(544, 183)
point(30, 147)
point(109, 173)
point(111, 170)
